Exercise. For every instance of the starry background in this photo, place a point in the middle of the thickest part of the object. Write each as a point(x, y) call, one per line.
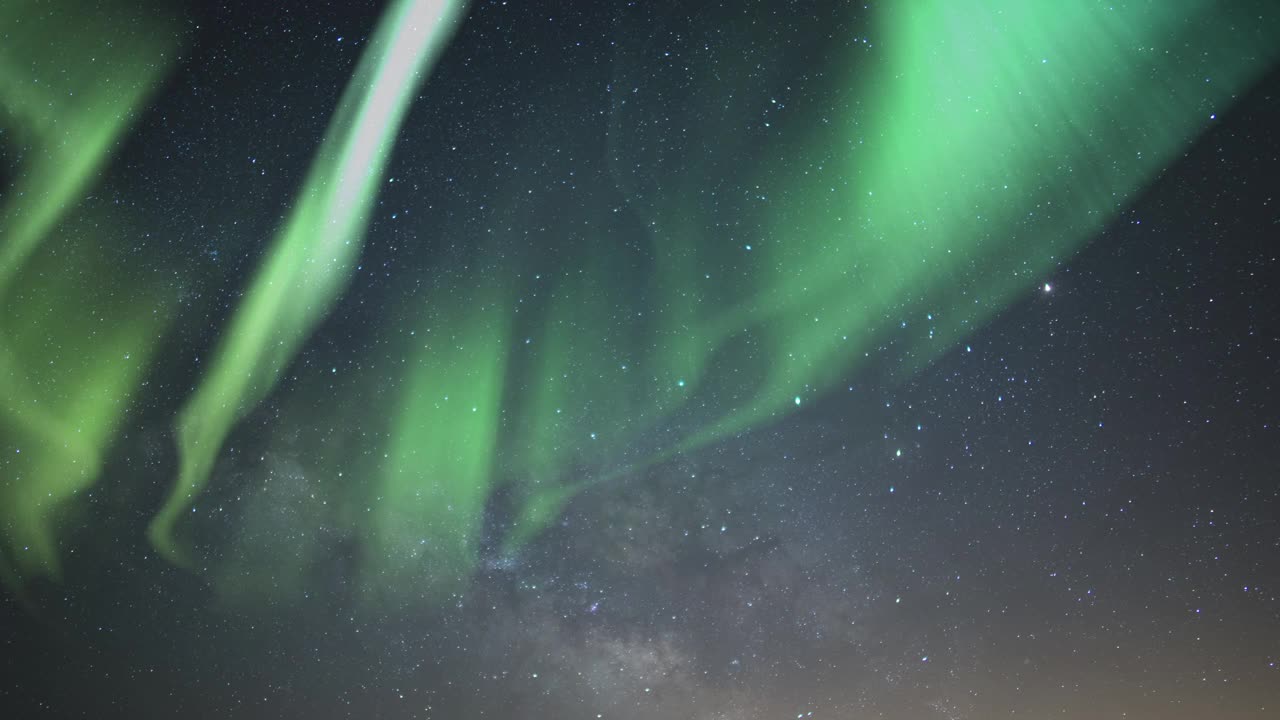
point(1072, 512)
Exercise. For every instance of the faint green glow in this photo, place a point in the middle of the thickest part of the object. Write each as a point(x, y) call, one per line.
point(69, 368)
point(75, 336)
point(423, 530)
point(311, 261)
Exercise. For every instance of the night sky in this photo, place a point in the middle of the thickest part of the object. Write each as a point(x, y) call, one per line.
point(633, 361)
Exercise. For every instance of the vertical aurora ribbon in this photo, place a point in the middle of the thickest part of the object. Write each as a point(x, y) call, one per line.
point(310, 262)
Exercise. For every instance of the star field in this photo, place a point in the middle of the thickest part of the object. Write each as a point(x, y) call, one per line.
point(418, 359)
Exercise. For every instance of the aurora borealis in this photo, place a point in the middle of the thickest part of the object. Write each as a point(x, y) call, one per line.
point(429, 359)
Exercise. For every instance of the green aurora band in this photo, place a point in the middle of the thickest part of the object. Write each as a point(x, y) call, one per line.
point(310, 263)
point(944, 171)
point(74, 340)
